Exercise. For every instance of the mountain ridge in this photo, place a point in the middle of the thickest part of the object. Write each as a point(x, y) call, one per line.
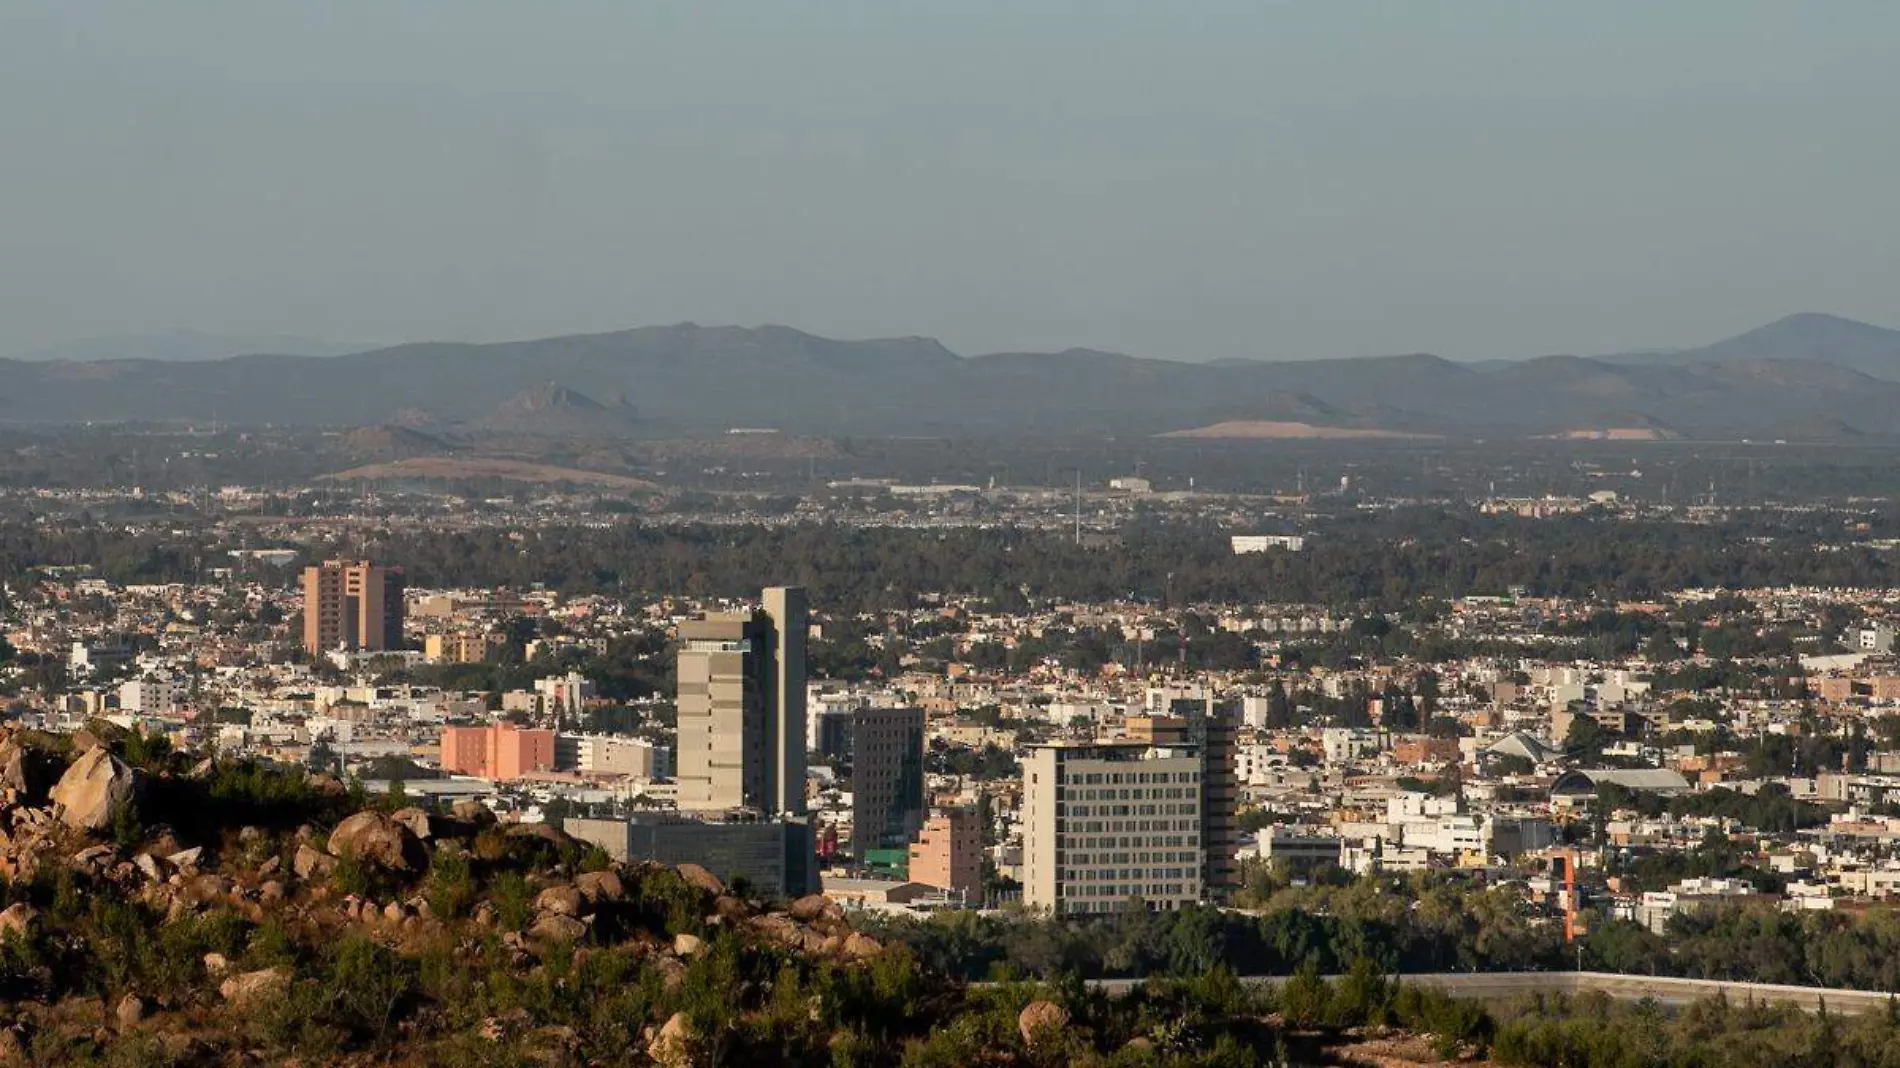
point(698, 379)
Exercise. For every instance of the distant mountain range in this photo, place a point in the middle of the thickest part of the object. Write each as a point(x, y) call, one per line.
point(1805, 377)
point(186, 345)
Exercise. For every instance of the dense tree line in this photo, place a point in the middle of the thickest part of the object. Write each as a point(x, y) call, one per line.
point(1389, 560)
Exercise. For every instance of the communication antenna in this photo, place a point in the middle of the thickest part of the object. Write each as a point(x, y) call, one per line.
point(1078, 506)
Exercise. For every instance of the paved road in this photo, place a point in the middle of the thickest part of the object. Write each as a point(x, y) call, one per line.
point(1497, 986)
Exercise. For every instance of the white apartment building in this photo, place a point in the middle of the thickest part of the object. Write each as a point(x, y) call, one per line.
point(1104, 824)
point(152, 695)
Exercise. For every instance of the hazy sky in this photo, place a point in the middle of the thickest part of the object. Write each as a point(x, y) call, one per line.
point(1190, 180)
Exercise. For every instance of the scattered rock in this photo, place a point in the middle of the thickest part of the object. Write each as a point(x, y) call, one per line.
point(558, 928)
point(375, 838)
point(545, 832)
point(859, 946)
point(270, 866)
point(700, 877)
point(558, 901)
point(688, 945)
point(814, 907)
point(95, 859)
point(1041, 1020)
point(18, 919)
point(416, 820)
point(216, 964)
point(469, 810)
point(789, 933)
point(95, 789)
point(394, 912)
point(309, 863)
point(24, 773)
point(186, 858)
point(248, 986)
point(673, 1046)
point(598, 886)
point(150, 866)
point(130, 1011)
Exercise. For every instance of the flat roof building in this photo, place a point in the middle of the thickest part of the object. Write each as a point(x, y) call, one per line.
point(1109, 824)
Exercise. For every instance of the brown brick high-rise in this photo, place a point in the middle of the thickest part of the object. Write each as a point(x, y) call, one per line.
point(352, 604)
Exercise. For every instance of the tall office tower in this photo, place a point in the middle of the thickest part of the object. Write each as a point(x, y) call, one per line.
point(352, 604)
point(741, 708)
point(887, 779)
point(1189, 716)
point(785, 607)
point(1107, 823)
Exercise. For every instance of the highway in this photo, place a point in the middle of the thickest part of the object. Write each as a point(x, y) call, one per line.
point(1499, 986)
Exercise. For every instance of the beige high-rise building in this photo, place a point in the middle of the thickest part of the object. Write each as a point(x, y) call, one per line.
point(352, 604)
point(741, 703)
point(1106, 824)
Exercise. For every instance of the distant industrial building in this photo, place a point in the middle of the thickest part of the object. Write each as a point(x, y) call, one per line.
point(776, 857)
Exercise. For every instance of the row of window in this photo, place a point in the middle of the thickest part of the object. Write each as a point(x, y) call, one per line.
point(1083, 860)
point(1123, 891)
point(1127, 778)
point(1080, 831)
point(1172, 809)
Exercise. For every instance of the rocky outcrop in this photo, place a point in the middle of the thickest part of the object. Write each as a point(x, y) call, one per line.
point(94, 791)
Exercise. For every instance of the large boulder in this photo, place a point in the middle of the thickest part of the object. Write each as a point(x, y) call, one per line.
point(814, 907)
point(554, 927)
point(377, 838)
point(18, 919)
point(700, 877)
point(561, 900)
point(673, 1046)
point(95, 789)
point(1041, 1021)
point(599, 886)
point(419, 822)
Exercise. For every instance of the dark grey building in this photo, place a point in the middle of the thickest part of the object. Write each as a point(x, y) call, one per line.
point(777, 857)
